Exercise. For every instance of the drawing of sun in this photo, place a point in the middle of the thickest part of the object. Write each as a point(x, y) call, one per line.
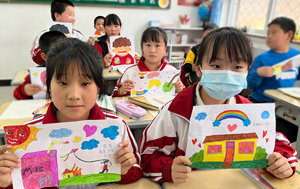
point(20, 136)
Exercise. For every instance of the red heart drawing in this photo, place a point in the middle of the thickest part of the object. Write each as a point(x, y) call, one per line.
point(199, 145)
point(231, 127)
point(194, 141)
point(264, 133)
point(267, 140)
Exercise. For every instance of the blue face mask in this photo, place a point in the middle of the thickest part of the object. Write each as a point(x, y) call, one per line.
point(223, 84)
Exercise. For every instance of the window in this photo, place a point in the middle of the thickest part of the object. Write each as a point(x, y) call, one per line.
point(256, 14)
point(246, 147)
point(214, 149)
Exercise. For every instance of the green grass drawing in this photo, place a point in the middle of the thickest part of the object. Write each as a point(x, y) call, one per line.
point(91, 178)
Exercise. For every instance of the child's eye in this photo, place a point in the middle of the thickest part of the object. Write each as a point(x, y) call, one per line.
point(147, 45)
point(238, 67)
point(157, 45)
point(62, 83)
point(85, 84)
point(215, 66)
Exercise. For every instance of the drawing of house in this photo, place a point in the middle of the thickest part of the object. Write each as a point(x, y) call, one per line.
point(74, 172)
point(229, 148)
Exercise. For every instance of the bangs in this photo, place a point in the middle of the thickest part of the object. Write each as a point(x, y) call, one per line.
point(153, 37)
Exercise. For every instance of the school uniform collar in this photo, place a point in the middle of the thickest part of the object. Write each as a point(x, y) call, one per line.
point(50, 116)
point(143, 68)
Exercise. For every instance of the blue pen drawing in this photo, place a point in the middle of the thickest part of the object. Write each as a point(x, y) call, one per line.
point(110, 132)
point(89, 145)
point(60, 133)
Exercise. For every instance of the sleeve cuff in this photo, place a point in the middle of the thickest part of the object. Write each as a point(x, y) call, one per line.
point(166, 171)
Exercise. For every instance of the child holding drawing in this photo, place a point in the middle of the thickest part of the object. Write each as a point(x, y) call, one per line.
point(74, 79)
point(154, 45)
point(224, 56)
point(99, 26)
point(112, 25)
point(26, 89)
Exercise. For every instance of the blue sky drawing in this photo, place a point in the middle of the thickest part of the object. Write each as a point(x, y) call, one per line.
point(63, 132)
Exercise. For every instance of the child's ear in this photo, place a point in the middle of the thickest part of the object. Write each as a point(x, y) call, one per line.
point(56, 15)
point(98, 91)
point(43, 56)
point(290, 35)
point(198, 71)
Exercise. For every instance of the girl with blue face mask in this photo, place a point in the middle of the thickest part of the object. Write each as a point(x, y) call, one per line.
point(224, 57)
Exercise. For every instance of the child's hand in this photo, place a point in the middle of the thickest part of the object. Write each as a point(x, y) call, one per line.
point(127, 85)
point(107, 60)
point(279, 166)
point(31, 89)
point(7, 162)
point(137, 58)
point(180, 172)
point(125, 157)
point(266, 71)
point(178, 86)
point(91, 40)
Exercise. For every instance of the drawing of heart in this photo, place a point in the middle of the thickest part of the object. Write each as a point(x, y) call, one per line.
point(77, 139)
point(267, 140)
point(194, 141)
point(43, 77)
point(199, 145)
point(153, 74)
point(231, 127)
point(264, 133)
point(89, 130)
point(153, 82)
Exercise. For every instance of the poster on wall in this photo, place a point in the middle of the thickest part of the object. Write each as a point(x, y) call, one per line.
point(71, 153)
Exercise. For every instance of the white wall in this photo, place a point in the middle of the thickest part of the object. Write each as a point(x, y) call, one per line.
point(20, 23)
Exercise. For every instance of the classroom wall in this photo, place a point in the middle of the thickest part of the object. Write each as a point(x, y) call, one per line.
point(20, 23)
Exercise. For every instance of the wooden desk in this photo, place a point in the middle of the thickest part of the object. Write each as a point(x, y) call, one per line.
point(110, 78)
point(288, 108)
point(231, 179)
point(143, 183)
point(19, 77)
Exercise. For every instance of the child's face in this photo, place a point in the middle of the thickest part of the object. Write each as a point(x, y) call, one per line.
point(74, 95)
point(99, 26)
point(222, 63)
point(112, 30)
point(276, 38)
point(67, 16)
point(154, 51)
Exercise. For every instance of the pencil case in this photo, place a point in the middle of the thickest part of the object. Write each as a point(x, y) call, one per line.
point(131, 110)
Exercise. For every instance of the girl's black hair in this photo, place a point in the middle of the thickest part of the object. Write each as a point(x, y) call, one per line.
point(112, 19)
point(98, 17)
point(237, 45)
point(153, 34)
point(72, 51)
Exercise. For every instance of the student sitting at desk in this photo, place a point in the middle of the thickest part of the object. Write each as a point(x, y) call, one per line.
point(26, 89)
point(263, 73)
point(154, 45)
point(61, 11)
point(74, 80)
point(99, 26)
point(225, 55)
point(112, 25)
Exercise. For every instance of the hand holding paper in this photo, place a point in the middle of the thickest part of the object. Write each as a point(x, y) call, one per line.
point(125, 157)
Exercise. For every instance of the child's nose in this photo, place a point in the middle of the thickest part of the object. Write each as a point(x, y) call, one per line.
point(74, 92)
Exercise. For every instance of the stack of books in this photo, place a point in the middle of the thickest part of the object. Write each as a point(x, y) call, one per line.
point(177, 55)
point(175, 37)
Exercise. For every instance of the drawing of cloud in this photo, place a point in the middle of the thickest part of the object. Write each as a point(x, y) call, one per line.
point(63, 132)
point(246, 122)
point(89, 145)
point(265, 115)
point(201, 116)
point(110, 132)
point(216, 123)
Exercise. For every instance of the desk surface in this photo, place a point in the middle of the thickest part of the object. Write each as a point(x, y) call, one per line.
point(109, 74)
point(143, 183)
point(280, 96)
point(19, 77)
point(232, 178)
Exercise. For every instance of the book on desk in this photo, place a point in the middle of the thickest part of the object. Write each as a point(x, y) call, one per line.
point(292, 91)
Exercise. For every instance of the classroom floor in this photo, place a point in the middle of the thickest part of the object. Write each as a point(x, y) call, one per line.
point(6, 94)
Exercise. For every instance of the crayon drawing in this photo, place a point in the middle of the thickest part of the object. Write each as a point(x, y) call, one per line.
point(38, 77)
point(72, 153)
point(123, 52)
point(286, 66)
point(154, 83)
point(231, 136)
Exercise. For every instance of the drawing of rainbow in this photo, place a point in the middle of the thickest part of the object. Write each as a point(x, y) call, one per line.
point(235, 114)
point(138, 93)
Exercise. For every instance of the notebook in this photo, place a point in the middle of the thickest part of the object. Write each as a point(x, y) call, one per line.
point(106, 103)
point(292, 91)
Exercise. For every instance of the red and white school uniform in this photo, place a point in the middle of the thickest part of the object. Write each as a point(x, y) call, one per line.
point(167, 135)
point(140, 67)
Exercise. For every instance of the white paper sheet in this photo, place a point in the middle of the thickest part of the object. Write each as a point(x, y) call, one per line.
point(292, 91)
point(38, 77)
point(22, 109)
point(231, 136)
